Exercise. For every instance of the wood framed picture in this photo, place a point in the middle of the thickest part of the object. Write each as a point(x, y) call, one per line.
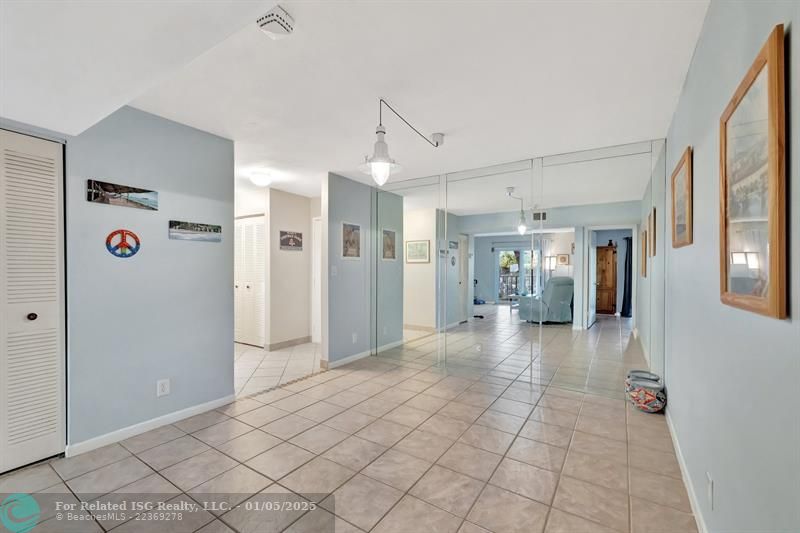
point(418, 251)
point(562, 259)
point(682, 200)
point(753, 187)
point(351, 241)
point(651, 230)
point(389, 245)
point(643, 254)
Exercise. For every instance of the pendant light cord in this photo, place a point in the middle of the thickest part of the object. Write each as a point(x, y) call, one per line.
point(382, 102)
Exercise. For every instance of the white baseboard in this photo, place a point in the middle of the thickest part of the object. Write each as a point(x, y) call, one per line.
point(348, 359)
point(687, 480)
point(635, 333)
point(390, 345)
point(142, 427)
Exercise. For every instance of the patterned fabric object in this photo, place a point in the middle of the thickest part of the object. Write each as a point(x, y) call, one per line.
point(645, 394)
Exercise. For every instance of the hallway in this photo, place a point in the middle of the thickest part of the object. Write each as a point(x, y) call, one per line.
point(483, 446)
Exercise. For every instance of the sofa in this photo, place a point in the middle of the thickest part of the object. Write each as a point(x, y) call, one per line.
point(554, 305)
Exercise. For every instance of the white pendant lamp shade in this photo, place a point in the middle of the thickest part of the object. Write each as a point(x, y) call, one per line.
point(380, 166)
point(260, 178)
point(523, 225)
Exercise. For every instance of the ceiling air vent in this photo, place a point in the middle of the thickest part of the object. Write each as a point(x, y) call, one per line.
point(276, 23)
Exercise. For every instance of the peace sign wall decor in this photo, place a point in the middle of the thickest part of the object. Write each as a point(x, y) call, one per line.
point(122, 243)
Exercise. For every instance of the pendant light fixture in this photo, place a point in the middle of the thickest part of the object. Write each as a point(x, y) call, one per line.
point(380, 166)
point(522, 226)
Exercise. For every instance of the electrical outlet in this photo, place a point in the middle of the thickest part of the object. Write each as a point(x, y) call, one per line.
point(710, 490)
point(355, 338)
point(162, 387)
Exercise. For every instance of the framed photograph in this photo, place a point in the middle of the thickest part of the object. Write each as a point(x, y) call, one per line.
point(351, 241)
point(753, 187)
point(418, 251)
point(453, 245)
point(102, 192)
point(389, 245)
point(643, 259)
point(682, 201)
point(562, 259)
point(194, 231)
point(291, 241)
point(652, 232)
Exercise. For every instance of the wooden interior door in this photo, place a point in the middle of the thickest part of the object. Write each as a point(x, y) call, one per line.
point(606, 279)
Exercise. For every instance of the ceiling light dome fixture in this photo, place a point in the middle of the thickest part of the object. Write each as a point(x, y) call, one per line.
point(260, 178)
point(380, 166)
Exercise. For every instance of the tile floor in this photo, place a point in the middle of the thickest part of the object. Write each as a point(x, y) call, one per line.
point(256, 370)
point(402, 445)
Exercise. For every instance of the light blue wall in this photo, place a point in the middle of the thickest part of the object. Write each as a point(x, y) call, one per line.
point(389, 281)
point(618, 237)
point(364, 295)
point(166, 312)
point(733, 376)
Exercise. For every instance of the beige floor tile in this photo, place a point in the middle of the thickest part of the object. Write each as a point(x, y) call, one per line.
point(222, 432)
point(280, 460)
point(562, 404)
point(320, 411)
point(294, 403)
point(346, 398)
point(240, 406)
point(426, 402)
point(319, 438)
point(424, 445)
point(448, 490)
point(537, 454)
point(245, 519)
point(173, 452)
point(316, 479)
point(488, 439)
point(502, 421)
point(596, 470)
point(28, 480)
point(412, 514)
point(471, 461)
point(532, 482)
point(198, 469)
point(593, 502)
point(499, 510)
point(512, 407)
point(461, 411)
point(362, 501)
point(229, 489)
point(151, 489)
point(476, 399)
point(561, 522)
point(642, 437)
point(321, 521)
point(108, 478)
point(262, 415)
point(349, 421)
point(191, 520)
point(375, 407)
point(554, 417)
point(444, 426)
point(553, 435)
point(650, 517)
point(354, 452)
point(654, 461)
point(469, 527)
point(215, 527)
point(664, 490)
point(384, 432)
point(152, 438)
point(198, 422)
point(71, 467)
point(407, 416)
point(249, 445)
point(287, 427)
point(611, 450)
point(397, 469)
point(602, 427)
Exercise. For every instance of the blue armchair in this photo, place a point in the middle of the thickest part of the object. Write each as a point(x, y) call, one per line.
point(555, 305)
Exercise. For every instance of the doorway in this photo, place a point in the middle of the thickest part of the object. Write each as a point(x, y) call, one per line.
point(316, 280)
point(32, 300)
point(463, 276)
point(606, 271)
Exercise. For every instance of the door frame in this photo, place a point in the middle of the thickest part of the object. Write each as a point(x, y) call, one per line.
point(316, 276)
point(463, 259)
point(634, 229)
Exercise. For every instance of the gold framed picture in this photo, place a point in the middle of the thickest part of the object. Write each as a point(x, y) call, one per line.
point(644, 254)
point(682, 201)
point(753, 187)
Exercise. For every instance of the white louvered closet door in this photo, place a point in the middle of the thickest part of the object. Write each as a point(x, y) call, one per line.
point(250, 282)
point(32, 425)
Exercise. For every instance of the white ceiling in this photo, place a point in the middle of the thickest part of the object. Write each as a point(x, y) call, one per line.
point(503, 80)
point(66, 64)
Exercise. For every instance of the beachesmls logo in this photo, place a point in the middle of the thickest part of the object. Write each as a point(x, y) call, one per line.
point(19, 513)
